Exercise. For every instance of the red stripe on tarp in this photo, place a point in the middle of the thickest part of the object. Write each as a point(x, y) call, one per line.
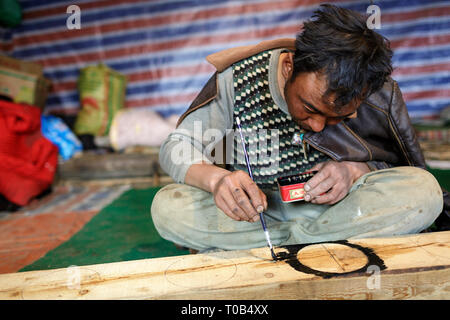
point(208, 40)
point(421, 69)
point(203, 14)
point(40, 13)
point(431, 40)
point(154, 74)
point(64, 86)
point(205, 68)
point(167, 45)
point(167, 20)
point(444, 93)
point(413, 15)
point(147, 102)
point(412, 42)
point(65, 111)
point(131, 103)
point(47, 12)
point(187, 98)
point(149, 22)
point(170, 72)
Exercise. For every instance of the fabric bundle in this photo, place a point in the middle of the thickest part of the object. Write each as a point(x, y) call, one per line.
point(27, 159)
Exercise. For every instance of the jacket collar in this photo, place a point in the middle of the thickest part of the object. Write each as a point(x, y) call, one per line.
point(225, 58)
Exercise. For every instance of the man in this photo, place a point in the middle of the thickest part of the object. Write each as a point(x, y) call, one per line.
point(330, 87)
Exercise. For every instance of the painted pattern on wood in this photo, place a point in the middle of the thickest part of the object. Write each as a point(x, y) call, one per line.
point(416, 267)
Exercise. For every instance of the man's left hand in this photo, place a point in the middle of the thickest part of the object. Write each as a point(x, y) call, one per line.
point(333, 181)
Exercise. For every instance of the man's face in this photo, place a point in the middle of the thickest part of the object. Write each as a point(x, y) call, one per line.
point(304, 97)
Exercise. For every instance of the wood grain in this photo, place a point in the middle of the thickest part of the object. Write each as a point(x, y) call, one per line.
point(417, 267)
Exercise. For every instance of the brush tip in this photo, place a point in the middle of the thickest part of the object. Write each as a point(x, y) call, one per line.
point(274, 257)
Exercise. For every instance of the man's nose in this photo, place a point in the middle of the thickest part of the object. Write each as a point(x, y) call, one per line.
point(317, 124)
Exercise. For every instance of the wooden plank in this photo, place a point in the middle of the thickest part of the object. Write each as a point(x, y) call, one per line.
point(89, 166)
point(134, 182)
point(436, 150)
point(416, 267)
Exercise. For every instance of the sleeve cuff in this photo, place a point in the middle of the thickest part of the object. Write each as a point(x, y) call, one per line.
point(377, 165)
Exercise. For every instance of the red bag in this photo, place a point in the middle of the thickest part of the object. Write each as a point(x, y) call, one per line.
point(27, 159)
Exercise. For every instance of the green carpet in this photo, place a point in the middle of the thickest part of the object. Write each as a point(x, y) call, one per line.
point(121, 231)
point(442, 176)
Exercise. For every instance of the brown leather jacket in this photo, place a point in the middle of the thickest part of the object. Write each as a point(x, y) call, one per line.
point(381, 135)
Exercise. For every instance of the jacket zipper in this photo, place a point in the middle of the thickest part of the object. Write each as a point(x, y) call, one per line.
point(402, 147)
point(359, 139)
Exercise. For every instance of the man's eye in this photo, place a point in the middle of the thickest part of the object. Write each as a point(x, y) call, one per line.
point(308, 109)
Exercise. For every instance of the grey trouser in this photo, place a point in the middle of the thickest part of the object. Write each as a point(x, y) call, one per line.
point(382, 203)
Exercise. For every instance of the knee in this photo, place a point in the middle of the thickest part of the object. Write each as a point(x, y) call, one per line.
point(425, 183)
point(422, 188)
point(164, 205)
point(175, 203)
point(433, 190)
point(411, 186)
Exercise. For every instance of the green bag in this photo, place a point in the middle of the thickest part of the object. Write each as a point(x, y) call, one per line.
point(10, 13)
point(102, 94)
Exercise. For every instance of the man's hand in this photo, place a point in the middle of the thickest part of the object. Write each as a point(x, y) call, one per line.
point(334, 179)
point(238, 196)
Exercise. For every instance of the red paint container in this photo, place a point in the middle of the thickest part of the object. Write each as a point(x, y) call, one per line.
point(292, 187)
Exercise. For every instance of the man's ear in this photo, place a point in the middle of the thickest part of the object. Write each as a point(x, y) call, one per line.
point(287, 65)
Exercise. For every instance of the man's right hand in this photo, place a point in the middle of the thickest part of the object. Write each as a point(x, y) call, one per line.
point(234, 193)
point(238, 196)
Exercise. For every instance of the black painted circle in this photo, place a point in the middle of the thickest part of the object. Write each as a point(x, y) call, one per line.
point(292, 259)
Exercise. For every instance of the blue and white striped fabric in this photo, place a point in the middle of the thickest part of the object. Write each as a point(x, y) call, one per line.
point(161, 45)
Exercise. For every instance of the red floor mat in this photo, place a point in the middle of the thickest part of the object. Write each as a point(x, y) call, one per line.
point(28, 234)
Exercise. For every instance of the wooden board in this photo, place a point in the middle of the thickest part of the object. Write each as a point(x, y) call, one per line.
point(416, 267)
point(437, 150)
point(134, 182)
point(89, 166)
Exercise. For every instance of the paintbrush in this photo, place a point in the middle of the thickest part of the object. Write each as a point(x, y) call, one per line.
point(261, 214)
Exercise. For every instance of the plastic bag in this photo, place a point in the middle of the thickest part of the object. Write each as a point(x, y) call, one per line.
point(140, 127)
point(55, 130)
point(102, 94)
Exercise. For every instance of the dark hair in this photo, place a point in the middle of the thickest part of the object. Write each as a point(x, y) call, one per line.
point(338, 44)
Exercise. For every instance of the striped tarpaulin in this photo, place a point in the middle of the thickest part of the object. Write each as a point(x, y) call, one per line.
point(161, 45)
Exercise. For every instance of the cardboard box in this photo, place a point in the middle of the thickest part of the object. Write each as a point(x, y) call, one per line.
point(23, 82)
